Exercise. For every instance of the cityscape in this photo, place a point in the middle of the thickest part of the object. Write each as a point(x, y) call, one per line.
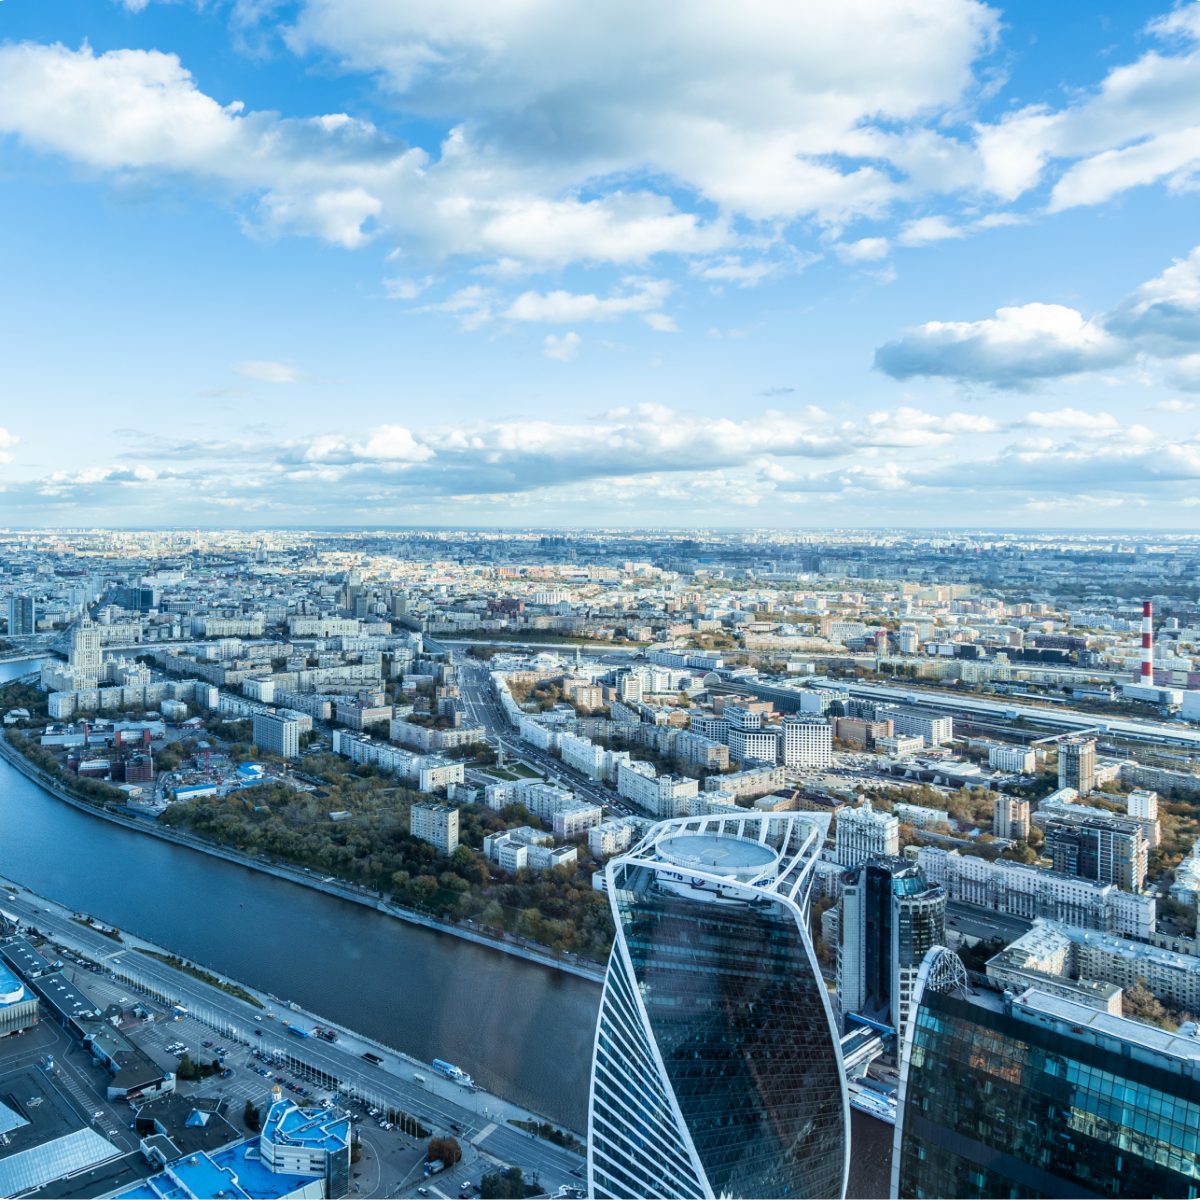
point(599, 602)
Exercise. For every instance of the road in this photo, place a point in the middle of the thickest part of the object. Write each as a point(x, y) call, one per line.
point(983, 923)
point(469, 1114)
point(476, 689)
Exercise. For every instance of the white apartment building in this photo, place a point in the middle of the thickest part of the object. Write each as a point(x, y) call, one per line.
point(920, 816)
point(754, 745)
point(864, 832)
point(576, 818)
point(583, 755)
point(277, 734)
point(935, 730)
point(1031, 892)
point(805, 743)
point(901, 745)
point(611, 837)
point(1018, 759)
point(751, 783)
point(662, 796)
point(436, 824)
point(525, 847)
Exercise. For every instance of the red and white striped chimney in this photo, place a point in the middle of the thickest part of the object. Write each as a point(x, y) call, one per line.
point(1147, 643)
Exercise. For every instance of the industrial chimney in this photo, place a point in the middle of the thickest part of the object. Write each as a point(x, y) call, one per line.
point(1147, 644)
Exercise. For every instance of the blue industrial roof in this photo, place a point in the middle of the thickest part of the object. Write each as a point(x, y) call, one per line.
point(235, 1172)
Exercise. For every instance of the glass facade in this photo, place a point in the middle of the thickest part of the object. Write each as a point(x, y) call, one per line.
point(717, 1071)
point(996, 1103)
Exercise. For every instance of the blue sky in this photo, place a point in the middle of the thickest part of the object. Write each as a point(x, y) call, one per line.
point(886, 262)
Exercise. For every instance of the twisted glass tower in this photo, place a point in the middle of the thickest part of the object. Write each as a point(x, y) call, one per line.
point(717, 1069)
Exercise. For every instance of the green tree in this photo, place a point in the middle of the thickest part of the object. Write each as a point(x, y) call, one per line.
point(504, 1185)
point(251, 1117)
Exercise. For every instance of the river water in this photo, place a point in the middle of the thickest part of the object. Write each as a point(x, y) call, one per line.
point(522, 1030)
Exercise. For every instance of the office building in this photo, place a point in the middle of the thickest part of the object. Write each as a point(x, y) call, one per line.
point(1010, 817)
point(277, 734)
point(917, 723)
point(1108, 851)
point(22, 616)
point(1040, 1095)
point(863, 833)
point(804, 742)
point(717, 1069)
point(1077, 764)
point(889, 918)
point(436, 824)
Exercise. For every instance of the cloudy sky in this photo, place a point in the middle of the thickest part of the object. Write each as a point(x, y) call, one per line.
point(879, 262)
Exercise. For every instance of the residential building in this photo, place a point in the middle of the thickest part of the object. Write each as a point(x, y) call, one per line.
point(754, 745)
point(805, 742)
point(1018, 759)
point(661, 796)
point(1052, 950)
point(1040, 1095)
point(527, 848)
point(1077, 764)
point(865, 832)
point(1010, 817)
point(1107, 850)
point(748, 784)
point(277, 734)
point(1029, 892)
point(689, 1098)
point(920, 816)
point(611, 837)
point(889, 918)
point(917, 723)
point(436, 824)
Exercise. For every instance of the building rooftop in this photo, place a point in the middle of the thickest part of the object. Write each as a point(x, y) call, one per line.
point(716, 854)
point(316, 1128)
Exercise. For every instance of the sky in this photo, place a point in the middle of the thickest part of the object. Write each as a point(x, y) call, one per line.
point(551, 262)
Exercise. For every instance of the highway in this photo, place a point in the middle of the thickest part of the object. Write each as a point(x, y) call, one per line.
point(476, 689)
point(469, 1114)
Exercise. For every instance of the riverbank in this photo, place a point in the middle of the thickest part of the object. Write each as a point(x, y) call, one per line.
point(298, 875)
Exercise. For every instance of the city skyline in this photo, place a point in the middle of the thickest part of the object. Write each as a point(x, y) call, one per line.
point(297, 263)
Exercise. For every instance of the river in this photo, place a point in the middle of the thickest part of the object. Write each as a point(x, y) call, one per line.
point(522, 1030)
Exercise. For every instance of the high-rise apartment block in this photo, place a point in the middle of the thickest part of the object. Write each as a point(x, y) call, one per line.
point(1040, 1095)
point(890, 918)
point(1010, 816)
point(717, 1069)
point(1077, 764)
point(436, 824)
point(1108, 851)
point(277, 734)
point(85, 657)
point(863, 833)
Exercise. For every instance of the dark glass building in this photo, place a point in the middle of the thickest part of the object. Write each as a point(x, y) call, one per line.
point(1038, 1096)
point(890, 918)
point(717, 1070)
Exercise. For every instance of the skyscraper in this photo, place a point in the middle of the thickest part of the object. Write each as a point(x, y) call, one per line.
point(865, 832)
point(22, 616)
point(717, 1069)
point(1077, 764)
point(1108, 849)
point(890, 918)
point(1038, 1095)
point(85, 657)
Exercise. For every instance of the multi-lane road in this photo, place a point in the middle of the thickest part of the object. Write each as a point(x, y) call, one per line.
point(470, 1115)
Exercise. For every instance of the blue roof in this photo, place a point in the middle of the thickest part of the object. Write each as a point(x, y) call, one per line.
point(235, 1172)
point(318, 1128)
point(9, 984)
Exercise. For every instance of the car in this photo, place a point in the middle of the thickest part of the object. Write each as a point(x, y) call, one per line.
point(206, 1043)
point(422, 1191)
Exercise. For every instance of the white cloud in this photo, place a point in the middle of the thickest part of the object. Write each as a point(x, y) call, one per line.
point(562, 348)
point(7, 442)
point(561, 307)
point(928, 229)
point(661, 323)
point(868, 249)
point(1074, 420)
point(1138, 127)
point(268, 372)
point(1019, 345)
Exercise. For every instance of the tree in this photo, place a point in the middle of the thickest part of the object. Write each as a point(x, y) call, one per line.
point(1140, 1003)
point(503, 1185)
point(445, 1149)
point(251, 1117)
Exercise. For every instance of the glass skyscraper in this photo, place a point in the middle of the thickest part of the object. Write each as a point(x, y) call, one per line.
point(1034, 1095)
point(717, 1069)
